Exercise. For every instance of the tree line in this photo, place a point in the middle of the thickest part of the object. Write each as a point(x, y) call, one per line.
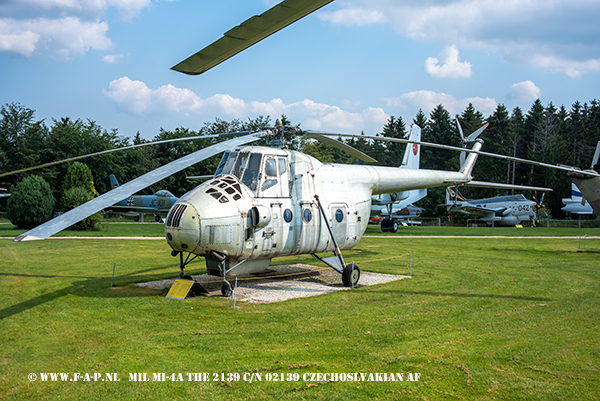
point(544, 133)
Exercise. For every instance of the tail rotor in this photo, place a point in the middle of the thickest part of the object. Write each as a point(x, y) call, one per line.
point(468, 140)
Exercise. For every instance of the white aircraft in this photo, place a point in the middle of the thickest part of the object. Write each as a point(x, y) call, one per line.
point(508, 210)
point(588, 182)
point(576, 204)
point(266, 202)
point(391, 206)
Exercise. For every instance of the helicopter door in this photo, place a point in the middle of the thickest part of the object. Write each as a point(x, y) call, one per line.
point(275, 178)
point(339, 223)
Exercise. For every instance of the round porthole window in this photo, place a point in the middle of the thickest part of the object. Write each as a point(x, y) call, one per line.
point(307, 214)
point(287, 215)
point(339, 215)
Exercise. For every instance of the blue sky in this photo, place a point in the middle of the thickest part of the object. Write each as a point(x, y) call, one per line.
point(344, 68)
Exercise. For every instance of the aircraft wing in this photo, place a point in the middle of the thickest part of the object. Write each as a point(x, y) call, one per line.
point(248, 33)
point(108, 199)
point(482, 210)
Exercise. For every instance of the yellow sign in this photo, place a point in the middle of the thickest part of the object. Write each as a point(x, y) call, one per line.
point(180, 289)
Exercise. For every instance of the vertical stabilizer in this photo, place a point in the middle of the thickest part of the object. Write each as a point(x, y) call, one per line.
point(412, 154)
point(113, 181)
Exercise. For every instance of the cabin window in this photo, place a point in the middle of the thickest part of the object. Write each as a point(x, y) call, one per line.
point(270, 174)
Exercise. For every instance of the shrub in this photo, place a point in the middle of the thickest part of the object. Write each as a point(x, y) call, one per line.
point(31, 203)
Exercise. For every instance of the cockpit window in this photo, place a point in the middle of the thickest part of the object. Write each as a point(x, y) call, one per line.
point(226, 163)
point(240, 165)
point(252, 173)
point(222, 164)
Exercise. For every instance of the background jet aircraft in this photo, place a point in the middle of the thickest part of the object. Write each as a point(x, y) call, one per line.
point(588, 183)
point(385, 205)
point(507, 210)
point(576, 204)
point(160, 202)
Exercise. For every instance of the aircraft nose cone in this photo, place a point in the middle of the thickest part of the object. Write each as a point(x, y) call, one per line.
point(182, 227)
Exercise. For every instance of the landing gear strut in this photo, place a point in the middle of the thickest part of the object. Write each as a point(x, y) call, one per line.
point(351, 272)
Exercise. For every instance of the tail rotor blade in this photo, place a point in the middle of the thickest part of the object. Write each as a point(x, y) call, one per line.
point(475, 134)
point(460, 131)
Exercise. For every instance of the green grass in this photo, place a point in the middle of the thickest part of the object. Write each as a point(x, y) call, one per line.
point(151, 229)
point(110, 229)
point(482, 318)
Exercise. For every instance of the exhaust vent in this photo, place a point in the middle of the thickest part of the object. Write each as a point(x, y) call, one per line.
point(174, 217)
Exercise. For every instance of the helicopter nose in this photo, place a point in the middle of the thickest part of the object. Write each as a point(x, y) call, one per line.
point(182, 227)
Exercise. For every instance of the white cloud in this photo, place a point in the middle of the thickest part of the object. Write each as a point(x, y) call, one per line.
point(451, 67)
point(525, 91)
point(63, 37)
point(427, 100)
point(112, 58)
point(559, 35)
point(135, 97)
point(61, 28)
point(352, 16)
point(128, 9)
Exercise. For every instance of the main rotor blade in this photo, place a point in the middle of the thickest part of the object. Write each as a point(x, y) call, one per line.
point(587, 173)
point(596, 155)
point(110, 198)
point(342, 146)
point(483, 184)
point(248, 33)
point(103, 152)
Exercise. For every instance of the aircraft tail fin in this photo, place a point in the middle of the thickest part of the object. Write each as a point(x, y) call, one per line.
point(113, 181)
point(453, 196)
point(412, 154)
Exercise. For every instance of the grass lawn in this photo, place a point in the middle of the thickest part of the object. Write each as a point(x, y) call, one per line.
point(481, 318)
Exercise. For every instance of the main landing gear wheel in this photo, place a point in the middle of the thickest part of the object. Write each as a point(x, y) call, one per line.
point(136, 218)
point(389, 226)
point(351, 275)
point(157, 218)
point(226, 290)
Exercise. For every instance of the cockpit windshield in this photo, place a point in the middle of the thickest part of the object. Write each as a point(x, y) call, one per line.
point(243, 165)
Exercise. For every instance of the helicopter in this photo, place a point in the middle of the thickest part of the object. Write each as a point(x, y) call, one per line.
point(266, 202)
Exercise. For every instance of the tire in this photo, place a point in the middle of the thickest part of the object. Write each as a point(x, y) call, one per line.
point(157, 218)
point(393, 227)
point(136, 218)
point(226, 290)
point(351, 275)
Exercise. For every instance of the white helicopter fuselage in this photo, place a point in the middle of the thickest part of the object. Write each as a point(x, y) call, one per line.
point(264, 202)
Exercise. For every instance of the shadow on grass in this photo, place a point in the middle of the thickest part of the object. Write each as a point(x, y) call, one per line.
point(90, 287)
